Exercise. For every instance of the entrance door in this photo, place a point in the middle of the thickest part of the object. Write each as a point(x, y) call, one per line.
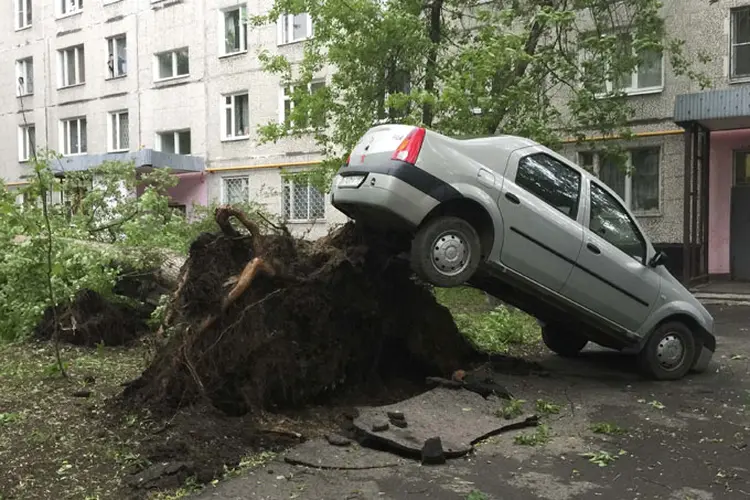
point(739, 221)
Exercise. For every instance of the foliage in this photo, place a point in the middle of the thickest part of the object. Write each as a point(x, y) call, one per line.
point(500, 329)
point(98, 206)
point(603, 458)
point(607, 428)
point(467, 67)
point(511, 409)
point(547, 408)
point(541, 435)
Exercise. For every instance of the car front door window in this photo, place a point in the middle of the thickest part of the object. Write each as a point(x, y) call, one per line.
point(609, 220)
point(551, 181)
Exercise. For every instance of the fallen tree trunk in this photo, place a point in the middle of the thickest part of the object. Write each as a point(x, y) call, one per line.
point(161, 265)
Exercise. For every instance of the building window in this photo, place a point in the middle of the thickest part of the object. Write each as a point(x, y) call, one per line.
point(73, 136)
point(117, 58)
point(741, 168)
point(302, 202)
point(23, 14)
point(234, 31)
point(287, 102)
point(174, 141)
point(25, 77)
point(70, 6)
point(235, 190)
point(740, 43)
point(637, 183)
point(648, 75)
point(119, 132)
point(173, 64)
point(236, 116)
point(26, 142)
point(294, 28)
point(72, 68)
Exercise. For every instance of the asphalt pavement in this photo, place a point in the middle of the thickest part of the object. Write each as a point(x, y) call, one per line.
point(688, 439)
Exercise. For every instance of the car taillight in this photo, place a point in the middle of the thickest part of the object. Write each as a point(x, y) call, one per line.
point(348, 159)
point(409, 148)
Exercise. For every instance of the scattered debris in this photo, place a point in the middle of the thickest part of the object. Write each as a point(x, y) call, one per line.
point(83, 393)
point(432, 452)
point(319, 454)
point(338, 440)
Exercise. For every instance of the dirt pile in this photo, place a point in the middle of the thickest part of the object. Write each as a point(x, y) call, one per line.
point(90, 319)
point(269, 321)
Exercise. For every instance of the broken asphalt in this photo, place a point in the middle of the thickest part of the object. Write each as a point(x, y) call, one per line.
point(681, 440)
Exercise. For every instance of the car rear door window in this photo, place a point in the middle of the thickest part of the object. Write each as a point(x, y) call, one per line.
point(609, 220)
point(551, 181)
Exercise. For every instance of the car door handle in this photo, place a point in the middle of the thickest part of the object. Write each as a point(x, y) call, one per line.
point(593, 248)
point(513, 198)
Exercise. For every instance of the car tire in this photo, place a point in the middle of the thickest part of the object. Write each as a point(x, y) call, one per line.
point(446, 251)
point(669, 352)
point(563, 341)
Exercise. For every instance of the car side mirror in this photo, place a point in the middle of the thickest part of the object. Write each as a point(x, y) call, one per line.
point(659, 259)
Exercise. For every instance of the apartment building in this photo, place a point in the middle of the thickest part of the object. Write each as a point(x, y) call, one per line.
point(691, 155)
point(167, 83)
point(177, 84)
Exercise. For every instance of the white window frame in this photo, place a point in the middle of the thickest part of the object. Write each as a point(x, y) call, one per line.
point(628, 188)
point(65, 142)
point(225, 136)
point(223, 31)
point(176, 136)
point(173, 53)
point(25, 146)
point(285, 24)
point(23, 9)
point(292, 219)
point(113, 128)
point(732, 35)
point(224, 180)
point(283, 98)
point(22, 71)
point(633, 89)
point(79, 54)
point(65, 8)
point(115, 41)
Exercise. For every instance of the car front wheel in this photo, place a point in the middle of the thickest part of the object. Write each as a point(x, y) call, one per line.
point(446, 251)
point(669, 352)
point(563, 341)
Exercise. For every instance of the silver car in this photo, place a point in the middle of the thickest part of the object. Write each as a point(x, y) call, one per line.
point(521, 222)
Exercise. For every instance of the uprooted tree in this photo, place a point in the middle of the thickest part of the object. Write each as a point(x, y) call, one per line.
point(261, 320)
point(544, 69)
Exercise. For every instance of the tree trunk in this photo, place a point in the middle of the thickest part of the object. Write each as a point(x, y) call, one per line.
point(166, 267)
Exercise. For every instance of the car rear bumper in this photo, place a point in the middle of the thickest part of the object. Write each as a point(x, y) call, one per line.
point(382, 200)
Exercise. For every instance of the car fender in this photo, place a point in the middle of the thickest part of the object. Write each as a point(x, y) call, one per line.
point(676, 309)
point(486, 201)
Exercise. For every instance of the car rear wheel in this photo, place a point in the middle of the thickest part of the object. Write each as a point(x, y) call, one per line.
point(669, 352)
point(446, 251)
point(563, 341)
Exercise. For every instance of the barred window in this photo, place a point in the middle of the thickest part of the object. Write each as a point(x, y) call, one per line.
point(302, 202)
point(235, 190)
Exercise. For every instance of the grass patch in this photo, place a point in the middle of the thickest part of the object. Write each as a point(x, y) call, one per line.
point(55, 445)
point(501, 330)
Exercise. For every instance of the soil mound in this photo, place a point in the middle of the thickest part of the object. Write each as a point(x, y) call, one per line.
point(91, 319)
point(269, 321)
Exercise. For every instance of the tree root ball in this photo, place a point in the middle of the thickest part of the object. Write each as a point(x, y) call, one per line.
point(336, 312)
point(90, 320)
